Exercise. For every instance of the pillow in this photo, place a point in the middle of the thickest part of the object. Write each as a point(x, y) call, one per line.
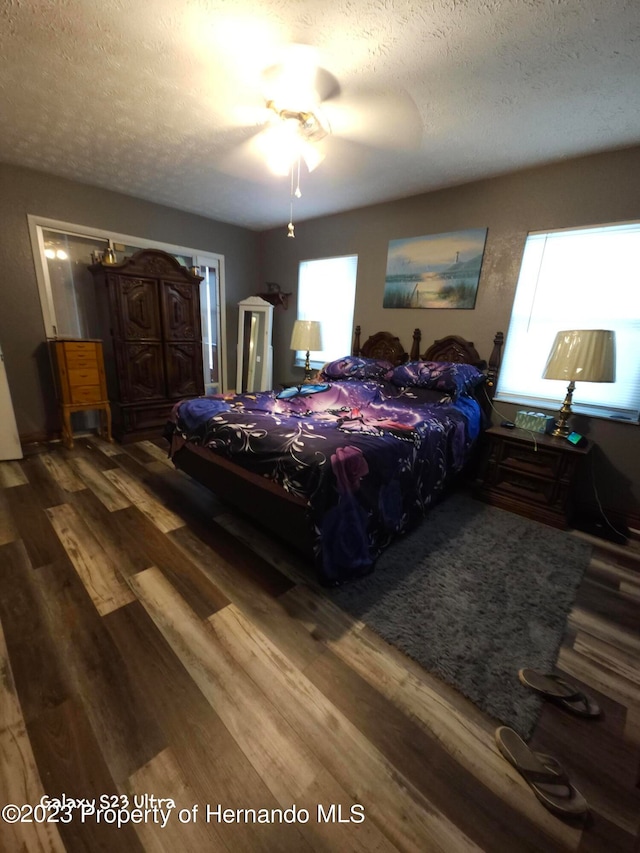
point(448, 376)
point(357, 367)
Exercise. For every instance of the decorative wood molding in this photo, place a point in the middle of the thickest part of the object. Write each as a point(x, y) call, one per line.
point(453, 348)
point(149, 262)
point(385, 345)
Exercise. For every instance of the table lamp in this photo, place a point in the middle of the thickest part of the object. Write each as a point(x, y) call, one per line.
point(306, 337)
point(587, 355)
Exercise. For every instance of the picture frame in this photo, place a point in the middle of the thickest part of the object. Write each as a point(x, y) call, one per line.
point(439, 271)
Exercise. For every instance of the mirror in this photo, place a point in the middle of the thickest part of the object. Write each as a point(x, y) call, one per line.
point(254, 346)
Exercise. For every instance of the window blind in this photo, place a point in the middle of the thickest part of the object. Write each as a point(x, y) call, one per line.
point(326, 292)
point(586, 278)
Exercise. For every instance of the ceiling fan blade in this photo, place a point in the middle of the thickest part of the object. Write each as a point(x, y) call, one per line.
point(227, 112)
point(246, 159)
point(296, 81)
point(290, 81)
point(377, 119)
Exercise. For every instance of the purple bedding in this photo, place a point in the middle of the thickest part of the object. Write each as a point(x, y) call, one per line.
point(368, 457)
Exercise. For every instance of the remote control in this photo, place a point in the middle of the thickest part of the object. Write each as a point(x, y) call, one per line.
point(507, 424)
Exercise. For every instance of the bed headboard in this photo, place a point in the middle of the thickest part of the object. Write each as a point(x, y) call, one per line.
point(454, 348)
point(451, 348)
point(387, 346)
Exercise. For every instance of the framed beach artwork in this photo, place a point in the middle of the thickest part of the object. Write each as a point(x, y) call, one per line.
point(438, 271)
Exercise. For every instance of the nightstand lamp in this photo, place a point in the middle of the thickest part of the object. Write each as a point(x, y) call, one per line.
point(306, 337)
point(586, 355)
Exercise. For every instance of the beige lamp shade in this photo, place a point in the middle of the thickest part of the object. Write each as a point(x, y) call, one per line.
point(586, 355)
point(306, 336)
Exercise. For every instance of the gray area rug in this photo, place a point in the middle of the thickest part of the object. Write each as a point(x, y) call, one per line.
point(474, 594)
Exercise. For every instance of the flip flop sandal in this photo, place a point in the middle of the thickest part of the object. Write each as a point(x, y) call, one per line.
point(543, 774)
point(560, 692)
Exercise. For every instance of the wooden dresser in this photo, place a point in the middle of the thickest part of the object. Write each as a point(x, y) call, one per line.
point(80, 382)
point(530, 474)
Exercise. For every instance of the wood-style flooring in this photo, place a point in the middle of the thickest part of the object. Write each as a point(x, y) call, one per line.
point(153, 643)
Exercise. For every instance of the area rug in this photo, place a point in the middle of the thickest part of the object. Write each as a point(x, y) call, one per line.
point(474, 594)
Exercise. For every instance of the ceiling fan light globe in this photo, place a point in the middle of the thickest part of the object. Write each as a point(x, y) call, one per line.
point(281, 145)
point(312, 155)
point(279, 165)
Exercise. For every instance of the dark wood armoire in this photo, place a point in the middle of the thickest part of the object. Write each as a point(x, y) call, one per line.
point(150, 309)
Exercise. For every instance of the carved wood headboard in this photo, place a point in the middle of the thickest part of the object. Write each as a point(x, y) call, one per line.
point(450, 348)
point(455, 348)
point(387, 346)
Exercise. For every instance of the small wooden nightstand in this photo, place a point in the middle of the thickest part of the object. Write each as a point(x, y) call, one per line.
point(530, 474)
point(80, 382)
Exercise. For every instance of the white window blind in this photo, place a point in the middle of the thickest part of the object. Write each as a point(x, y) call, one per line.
point(579, 279)
point(327, 292)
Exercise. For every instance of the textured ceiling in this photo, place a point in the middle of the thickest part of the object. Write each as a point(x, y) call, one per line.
point(158, 98)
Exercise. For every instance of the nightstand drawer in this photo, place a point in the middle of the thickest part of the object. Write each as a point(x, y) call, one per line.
point(536, 489)
point(530, 476)
point(521, 457)
point(88, 376)
point(86, 394)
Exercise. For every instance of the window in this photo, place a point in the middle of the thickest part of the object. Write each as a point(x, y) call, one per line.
point(578, 279)
point(66, 259)
point(62, 254)
point(327, 292)
point(210, 301)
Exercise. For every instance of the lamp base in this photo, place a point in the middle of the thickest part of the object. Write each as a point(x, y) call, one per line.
point(562, 429)
point(307, 370)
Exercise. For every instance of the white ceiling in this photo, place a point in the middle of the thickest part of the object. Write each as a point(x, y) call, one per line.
point(158, 98)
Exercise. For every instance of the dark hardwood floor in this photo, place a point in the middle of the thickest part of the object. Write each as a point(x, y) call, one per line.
point(153, 644)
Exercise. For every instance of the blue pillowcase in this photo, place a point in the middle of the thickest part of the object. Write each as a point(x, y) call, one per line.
point(447, 376)
point(356, 367)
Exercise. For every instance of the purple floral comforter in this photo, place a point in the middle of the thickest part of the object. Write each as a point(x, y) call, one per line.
point(367, 456)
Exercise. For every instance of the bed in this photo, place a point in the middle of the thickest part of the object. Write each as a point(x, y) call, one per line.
point(342, 466)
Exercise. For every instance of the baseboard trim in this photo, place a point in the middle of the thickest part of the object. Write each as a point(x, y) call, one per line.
point(38, 437)
point(607, 518)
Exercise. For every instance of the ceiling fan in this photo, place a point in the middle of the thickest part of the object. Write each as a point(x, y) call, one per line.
point(292, 135)
point(305, 110)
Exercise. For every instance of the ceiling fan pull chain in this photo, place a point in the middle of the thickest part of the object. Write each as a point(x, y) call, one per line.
point(294, 194)
point(298, 193)
point(290, 231)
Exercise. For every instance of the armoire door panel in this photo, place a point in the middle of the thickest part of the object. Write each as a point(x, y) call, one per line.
point(151, 322)
point(142, 372)
point(180, 311)
point(184, 369)
point(139, 314)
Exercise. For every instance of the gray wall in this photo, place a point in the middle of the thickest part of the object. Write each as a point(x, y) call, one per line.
point(22, 333)
point(584, 191)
